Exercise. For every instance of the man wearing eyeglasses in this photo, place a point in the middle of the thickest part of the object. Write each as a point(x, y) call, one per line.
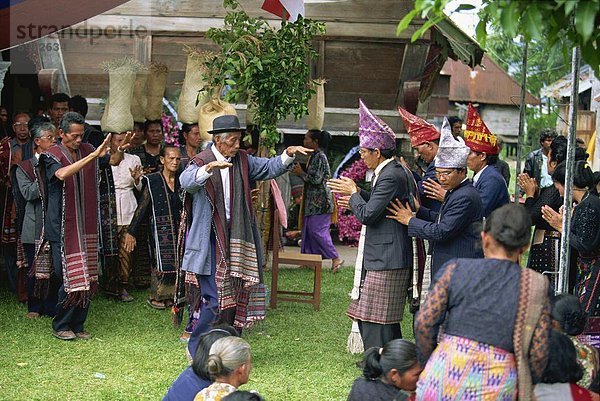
point(387, 251)
point(453, 230)
point(30, 224)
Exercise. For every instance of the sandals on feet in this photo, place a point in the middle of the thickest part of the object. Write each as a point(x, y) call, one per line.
point(156, 304)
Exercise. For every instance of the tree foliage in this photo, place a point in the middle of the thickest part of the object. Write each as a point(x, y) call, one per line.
point(562, 23)
point(267, 67)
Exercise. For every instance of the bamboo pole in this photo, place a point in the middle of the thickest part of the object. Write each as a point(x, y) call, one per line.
point(563, 271)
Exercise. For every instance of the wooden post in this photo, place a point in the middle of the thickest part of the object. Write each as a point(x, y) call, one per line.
point(563, 271)
point(522, 117)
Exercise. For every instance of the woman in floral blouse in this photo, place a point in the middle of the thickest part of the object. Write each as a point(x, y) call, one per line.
point(317, 200)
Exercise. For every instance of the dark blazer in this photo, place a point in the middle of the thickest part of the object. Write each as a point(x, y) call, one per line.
point(492, 190)
point(387, 245)
point(429, 203)
point(453, 231)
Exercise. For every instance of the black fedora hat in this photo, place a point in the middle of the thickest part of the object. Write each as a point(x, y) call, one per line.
point(226, 123)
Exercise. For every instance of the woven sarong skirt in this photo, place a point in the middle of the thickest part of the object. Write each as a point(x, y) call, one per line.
point(465, 369)
point(382, 297)
point(316, 236)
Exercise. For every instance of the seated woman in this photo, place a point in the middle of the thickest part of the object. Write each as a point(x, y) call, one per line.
point(195, 377)
point(485, 304)
point(569, 318)
point(229, 365)
point(389, 373)
point(562, 373)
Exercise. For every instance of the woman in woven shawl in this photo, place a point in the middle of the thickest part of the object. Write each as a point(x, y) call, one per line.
point(497, 320)
point(161, 202)
point(584, 238)
point(317, 200)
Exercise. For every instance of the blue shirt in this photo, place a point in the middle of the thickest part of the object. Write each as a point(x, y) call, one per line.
point(186, 386)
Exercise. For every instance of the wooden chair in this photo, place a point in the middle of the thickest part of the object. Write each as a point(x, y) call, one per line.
point(296, 259)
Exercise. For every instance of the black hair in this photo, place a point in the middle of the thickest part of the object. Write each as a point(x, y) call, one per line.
point(397, 354)
point(59, 98)
point(206, 341)
point(323, 138)
point(510, 226)
point(241, 395)
point(79, 104)
point(583, 177)
point(558, 151)
point(69, 118)
point(548, 133)
point(37, 120)
point(164, 147)
point(185, 127)
point(491, 159)
point(387, 153)
point(567, 311)
point(562, 364)
point(148, 123)
point(454, 119)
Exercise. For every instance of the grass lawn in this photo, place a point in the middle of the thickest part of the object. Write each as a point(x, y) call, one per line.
point(135, 354)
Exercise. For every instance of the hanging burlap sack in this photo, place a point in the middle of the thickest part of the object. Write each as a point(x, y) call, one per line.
point(140, 101)
point(208, 112)
point(155, 90)
point(193, 86)
point(250, 112)
point(117, 115)
point(316, 105)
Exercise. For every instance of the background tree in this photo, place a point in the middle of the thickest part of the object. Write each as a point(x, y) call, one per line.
point(267, 68)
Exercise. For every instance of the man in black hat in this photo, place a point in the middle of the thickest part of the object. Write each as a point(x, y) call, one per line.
point(223, 245)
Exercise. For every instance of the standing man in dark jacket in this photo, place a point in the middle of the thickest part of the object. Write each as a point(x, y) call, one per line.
point(536, 161)
point(453, 230)
point(388, 256)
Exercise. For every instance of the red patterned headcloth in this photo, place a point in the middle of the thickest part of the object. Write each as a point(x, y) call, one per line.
point(477, 135)
point(373, 132)
point(419, 130)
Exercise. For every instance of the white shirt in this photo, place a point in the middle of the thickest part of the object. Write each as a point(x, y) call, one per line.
point(202, 175)
point(476, 176)
point(124, 184)
point(545, 178)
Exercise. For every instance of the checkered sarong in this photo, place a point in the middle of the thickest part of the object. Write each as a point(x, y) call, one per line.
point(382, 296)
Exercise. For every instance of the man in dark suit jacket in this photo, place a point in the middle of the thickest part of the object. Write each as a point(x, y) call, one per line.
point(453, 231)
point(387, 253)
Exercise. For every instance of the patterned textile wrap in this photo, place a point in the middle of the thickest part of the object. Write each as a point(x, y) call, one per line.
point(316, 105)
point(461, 369)
point(239, 272)
point(165, 223)
point(109, 240)
point(532, 308)
point(382, 296)
point(192, 95)
point(20, 202)
point(8, 233)
point(181, 275)
point(588, 291)
point(79, 228)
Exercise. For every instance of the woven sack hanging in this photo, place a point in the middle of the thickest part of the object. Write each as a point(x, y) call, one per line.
point(155, 90)
point(208, 112)
point(193, 90)
point(316, 106)
point(139, 100)
point(117, 115)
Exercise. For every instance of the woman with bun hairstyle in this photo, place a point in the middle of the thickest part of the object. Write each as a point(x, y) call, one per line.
point(229, 365)
point(569, 318)
point(317, 201)
point(584, 238)
point(496, 320)
point(389, 373)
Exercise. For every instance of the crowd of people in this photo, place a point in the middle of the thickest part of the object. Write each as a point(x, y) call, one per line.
point(85, 210)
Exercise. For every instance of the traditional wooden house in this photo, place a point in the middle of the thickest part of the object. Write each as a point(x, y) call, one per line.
point(360, 54)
